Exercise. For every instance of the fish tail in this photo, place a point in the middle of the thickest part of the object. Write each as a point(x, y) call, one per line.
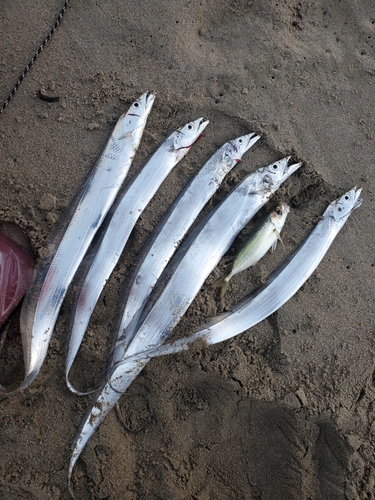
point(223, 284)
point(219, 283)
point(224, 287)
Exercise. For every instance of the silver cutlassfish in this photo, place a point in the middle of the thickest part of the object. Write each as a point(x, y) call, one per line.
point(171, 230)
point(72, 237)
point(124, 216)
point(208, 246)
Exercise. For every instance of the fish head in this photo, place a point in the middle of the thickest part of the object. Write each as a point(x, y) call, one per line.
point(185, 136)
point(279, 215)
point(141, 105)
point(341, 208)
point(134, 120)
point(272, 176)
point(234, 150)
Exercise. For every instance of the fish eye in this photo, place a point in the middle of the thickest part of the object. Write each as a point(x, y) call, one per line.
point(346, 197)
point(278, 211)
point(339, 209)
point(240, 141)
point(190, 126)
point(274, 167)
point(136, 104)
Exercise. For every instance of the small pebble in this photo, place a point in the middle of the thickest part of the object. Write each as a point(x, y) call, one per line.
point(292, 401)
point(93, 126)
point(354, 441)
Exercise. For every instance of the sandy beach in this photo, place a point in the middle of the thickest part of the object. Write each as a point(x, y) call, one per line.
point(283, 411)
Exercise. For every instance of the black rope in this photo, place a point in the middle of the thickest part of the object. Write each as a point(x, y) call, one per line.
point(33, 59)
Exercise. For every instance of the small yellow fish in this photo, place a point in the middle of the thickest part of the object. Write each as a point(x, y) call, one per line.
point(263, 237)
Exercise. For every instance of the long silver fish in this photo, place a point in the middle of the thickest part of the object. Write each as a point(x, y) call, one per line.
point(123, 219)
point(264, 236)
point(171, 230)
point(278, 289)
point(208, 246)
point(72, 237)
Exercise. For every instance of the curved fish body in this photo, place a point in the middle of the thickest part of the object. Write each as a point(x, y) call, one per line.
point(211, 242)
point(172, 229)
point(123, 218)
point(278, 289)
point(263, 237)
point(67, 247)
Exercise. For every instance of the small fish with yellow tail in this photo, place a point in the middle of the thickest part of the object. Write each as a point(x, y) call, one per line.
point(263, 237)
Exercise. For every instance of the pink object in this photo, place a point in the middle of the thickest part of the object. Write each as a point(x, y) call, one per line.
point(16, 274)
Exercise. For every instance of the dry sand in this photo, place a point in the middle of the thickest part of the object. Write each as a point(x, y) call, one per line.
point(283, 411)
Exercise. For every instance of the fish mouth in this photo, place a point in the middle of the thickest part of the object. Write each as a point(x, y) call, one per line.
point(358, 198)
point(285, 207)
point(149, 100)
point(202, 125)
point(290, 169)
point(252, 139)
point(249, 141)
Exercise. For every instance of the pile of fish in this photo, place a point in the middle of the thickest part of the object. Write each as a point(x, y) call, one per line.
point(168, 276)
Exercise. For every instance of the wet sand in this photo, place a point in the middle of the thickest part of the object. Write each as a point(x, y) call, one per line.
point(283, 411)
